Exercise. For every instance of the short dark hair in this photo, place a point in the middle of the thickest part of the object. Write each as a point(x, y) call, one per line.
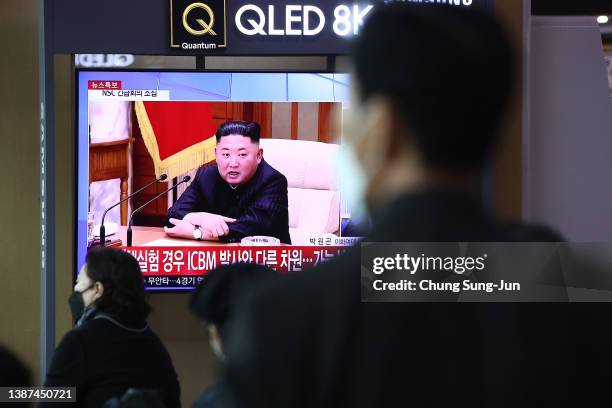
point(448, 71)
point(213, 299)
point(119, 272)
point(251, 130)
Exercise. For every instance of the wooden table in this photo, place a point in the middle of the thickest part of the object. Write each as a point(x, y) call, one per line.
point(142, 236)
point(110, 160)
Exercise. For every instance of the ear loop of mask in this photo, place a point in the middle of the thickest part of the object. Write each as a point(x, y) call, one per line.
point(87, 288)
point(92, 286)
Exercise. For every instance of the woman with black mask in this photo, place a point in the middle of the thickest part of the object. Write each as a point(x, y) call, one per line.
point(112, 347)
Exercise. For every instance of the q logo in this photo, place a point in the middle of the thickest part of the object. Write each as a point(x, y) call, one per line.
point(204, 28)
point(198, 26)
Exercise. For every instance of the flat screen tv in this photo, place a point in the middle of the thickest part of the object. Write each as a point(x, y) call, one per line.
point(133, 127)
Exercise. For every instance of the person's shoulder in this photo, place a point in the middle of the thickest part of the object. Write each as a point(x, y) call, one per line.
point(70, 351)
point(92, 330)
point(530, 232)
point(206, 171)
point(156, 340)
point(271, 174)
point(157, 347)
point(328, 283)
point(73, 338)
point(215, 395)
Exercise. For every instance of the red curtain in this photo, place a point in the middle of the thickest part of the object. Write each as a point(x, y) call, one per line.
point(179, 125)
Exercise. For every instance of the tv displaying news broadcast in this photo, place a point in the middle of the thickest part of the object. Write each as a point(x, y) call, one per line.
point(152, 171)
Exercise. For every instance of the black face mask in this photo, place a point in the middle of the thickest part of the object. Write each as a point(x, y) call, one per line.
point(77, 304)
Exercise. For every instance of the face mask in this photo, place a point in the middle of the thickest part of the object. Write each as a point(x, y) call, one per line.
point(353, 182)
point(77, 305)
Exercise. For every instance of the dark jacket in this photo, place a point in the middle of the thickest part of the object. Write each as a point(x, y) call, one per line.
point(102, 360)
point(309, 341)
point(260, 206)
point(215, 396)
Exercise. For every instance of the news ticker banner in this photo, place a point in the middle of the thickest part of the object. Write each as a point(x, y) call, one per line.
point(185, 267)
point(486, 272)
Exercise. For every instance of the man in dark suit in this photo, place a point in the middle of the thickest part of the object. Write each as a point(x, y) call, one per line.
point(431, 86)
point(239, 196)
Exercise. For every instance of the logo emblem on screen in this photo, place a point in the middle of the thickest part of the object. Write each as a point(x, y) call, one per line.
point(205, 28)
point(197, 26)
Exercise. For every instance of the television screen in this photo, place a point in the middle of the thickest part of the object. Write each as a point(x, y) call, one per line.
point(275, 202)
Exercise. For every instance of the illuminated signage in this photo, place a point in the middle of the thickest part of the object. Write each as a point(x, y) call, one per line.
point(198, 25)
point(300, 20)
point(217, 27)
point(275, 26)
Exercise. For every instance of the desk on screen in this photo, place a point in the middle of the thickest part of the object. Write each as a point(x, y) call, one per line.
point(156, 237)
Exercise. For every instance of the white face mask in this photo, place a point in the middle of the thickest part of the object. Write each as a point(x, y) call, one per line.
point(353, 182)
point(358, 124)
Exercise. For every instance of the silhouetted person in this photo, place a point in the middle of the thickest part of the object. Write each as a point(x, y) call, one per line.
point(112, 348)
point(13, 372)
point(431, 86)
point(214, 302)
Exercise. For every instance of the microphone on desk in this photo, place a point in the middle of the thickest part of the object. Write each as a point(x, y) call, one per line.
point(129, 229)
point(102, 228)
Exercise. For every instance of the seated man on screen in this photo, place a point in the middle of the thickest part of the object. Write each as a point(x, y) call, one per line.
point(239, 196)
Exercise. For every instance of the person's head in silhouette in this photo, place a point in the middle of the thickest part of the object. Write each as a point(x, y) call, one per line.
point(13, 372)
point(214, 299)
point(431, 86)
point(111, 282)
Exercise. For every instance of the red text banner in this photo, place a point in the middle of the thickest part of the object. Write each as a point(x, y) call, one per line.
point(195, 261)
point(103, 84)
